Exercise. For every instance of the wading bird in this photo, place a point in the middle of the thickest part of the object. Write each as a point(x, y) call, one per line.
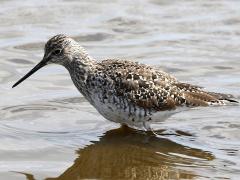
point(123, 91)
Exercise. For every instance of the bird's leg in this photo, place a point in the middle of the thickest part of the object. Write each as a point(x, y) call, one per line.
point(148, 129)
point(147, 126)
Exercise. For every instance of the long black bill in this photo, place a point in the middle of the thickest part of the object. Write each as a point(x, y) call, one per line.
point(37, 67)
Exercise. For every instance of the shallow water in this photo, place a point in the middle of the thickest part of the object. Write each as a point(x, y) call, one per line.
point(49, 131)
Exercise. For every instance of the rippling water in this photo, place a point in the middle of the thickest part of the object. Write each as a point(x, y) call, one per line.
point(49, 131)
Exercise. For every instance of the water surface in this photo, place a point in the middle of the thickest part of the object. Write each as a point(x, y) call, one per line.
point(49, 131)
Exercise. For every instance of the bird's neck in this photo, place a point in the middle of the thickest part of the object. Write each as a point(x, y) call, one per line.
point(78, 59)
point(79, 68)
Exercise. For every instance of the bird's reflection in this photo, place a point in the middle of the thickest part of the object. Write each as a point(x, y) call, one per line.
point(128, 154)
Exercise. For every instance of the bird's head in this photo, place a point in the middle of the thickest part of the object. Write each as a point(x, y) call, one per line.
point(60, 49)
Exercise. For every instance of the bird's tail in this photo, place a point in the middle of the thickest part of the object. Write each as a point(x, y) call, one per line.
point(224, 97)
point(196, 96)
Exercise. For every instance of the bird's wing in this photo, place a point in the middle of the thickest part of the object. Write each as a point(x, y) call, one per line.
point(142, 85)
point(195, 95)
point(147, 87)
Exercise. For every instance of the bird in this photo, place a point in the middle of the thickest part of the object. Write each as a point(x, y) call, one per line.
point(124, 91)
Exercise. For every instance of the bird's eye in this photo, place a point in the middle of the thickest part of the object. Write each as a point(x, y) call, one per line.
point(56, 52)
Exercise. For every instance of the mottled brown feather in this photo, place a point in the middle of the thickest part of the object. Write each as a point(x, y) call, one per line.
point(143, 85)
point(149, 88)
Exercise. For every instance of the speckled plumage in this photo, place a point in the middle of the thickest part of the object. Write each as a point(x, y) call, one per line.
point(124, 91)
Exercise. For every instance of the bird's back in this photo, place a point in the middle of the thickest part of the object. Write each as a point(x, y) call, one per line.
point(151, 88)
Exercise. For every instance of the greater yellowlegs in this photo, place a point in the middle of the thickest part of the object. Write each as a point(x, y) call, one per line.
point(123, 91)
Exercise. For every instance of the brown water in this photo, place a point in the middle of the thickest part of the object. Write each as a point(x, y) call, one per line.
point(49, 131)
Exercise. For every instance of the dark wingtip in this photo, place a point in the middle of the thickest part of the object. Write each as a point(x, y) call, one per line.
point(231, 100)
point(224, 97)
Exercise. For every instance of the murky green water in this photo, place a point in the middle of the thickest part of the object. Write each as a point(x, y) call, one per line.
point(49, 131)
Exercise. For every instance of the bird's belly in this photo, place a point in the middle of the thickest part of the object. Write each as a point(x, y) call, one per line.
point(119, 111)
point(114, 112)
point(122, 112)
